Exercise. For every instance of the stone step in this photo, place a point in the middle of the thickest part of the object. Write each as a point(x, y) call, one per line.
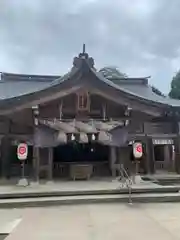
point(30, 193)
point(89, 199)
point(163, 179)
point(169, 181)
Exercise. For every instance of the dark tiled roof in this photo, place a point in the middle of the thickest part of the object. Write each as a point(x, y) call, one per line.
point(142, 91)
point(129, 80)
point(15, 85)
point(65, 77)
point(145, 92)
point(28, 77)
point(11, 89)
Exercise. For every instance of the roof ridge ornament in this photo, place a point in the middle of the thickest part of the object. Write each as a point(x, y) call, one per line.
point(83, 58)
point(84, 54)
point(84, 48)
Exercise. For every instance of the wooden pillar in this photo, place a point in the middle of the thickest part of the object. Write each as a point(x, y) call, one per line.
point(6, 151)
point(5, 156)
point(113, 160)
point(36, 150)
point(177, 154)
point(176, 130)
point(167, 157)
point(150, 161)
point(119, 156)
point(50, 164)
point(36, 163)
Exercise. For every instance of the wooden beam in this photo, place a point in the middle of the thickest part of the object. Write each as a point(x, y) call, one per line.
point(115, 95)
point(135, 105)
point(39, 101)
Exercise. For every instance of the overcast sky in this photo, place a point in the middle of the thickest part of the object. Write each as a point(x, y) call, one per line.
point(141, 37)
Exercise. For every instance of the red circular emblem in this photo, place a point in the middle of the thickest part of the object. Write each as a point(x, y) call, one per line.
point(22, 150)
point(139, 148)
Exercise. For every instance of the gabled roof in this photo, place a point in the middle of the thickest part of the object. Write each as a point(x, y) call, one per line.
point(22, 87)
point(27, 77)
point(139, 89)
point(145, 91)
point(11, 89)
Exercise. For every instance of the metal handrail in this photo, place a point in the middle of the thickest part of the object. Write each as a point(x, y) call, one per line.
point(128, 181)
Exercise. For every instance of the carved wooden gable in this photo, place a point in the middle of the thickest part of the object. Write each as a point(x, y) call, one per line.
point(86, 104)
point(83, 101)
point(83, 104)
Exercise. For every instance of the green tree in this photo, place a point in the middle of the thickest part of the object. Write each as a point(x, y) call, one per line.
point(175, 86)
point(112, 72)
point(157, 91)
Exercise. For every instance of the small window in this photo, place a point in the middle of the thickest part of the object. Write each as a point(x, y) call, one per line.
point(83, 101)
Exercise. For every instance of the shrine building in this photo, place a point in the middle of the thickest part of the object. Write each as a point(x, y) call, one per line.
point(82, 124)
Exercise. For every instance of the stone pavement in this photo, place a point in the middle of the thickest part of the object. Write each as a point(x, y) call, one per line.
point(100, 222)
point(9, 219)
point(92, 184)
point(103, 184)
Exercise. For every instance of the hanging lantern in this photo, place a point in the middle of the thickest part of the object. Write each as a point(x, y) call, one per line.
point(137, 150)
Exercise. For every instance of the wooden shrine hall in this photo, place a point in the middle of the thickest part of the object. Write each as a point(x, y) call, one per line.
point(83, 124)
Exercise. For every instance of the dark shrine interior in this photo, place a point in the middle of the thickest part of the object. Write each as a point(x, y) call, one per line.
point(77, 152)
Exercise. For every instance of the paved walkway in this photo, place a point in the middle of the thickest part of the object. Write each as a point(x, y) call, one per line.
point(100, 222)
point(74, 186)
point(163, 175)
point(106, 184)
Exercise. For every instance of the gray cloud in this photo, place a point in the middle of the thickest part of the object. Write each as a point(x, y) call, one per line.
point(141, 37)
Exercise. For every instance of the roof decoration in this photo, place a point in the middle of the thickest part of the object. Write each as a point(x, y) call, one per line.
point(83, 57)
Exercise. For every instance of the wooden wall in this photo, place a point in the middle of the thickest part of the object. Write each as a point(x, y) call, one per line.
point(156, 128)
point(69, 108)
point(22, 122)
